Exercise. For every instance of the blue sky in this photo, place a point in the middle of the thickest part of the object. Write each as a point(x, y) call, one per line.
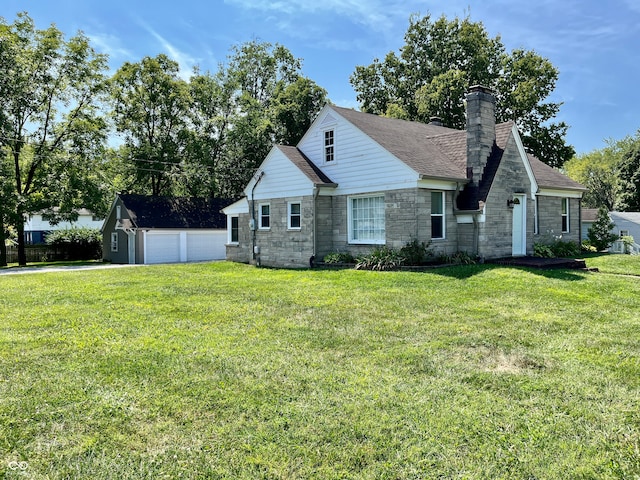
point(593, 43)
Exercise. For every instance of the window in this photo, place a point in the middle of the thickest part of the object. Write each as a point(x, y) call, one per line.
point(565, 214)
point(114, 241)
point(366, 219)
point(294, 216)
point(265, 216)
point(233, 230)
point(328, 146)
point(118, 212)
point(624, 233)
point(437, 215)
point(536, 222)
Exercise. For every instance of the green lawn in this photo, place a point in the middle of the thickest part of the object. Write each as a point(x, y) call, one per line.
point(227, 371)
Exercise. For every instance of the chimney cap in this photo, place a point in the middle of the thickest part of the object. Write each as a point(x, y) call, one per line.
point(437, 121)
point(480, 89)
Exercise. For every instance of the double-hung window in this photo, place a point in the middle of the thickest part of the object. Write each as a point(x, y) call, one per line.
point(265, 216)
point(114, 241)
point(329, 151)
point(437, 215)
point(565, 215)
point(366, 223)
point(295, 216)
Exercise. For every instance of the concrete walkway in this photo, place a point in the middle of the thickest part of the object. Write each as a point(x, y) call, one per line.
point(53, 268)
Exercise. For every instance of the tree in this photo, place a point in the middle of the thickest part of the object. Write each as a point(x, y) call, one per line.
point(629, 175)
point(52, 129)
point(597, 171)
point(439, 62)
point(600, 232)
point(150, 109)
point(257, 99)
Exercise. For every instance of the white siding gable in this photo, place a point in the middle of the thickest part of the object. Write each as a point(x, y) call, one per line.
point(361, 165)
point(281, 178)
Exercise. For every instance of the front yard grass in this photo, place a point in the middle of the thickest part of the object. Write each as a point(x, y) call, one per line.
point(227, 371)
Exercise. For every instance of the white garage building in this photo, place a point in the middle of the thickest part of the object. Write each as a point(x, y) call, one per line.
point(147, 229)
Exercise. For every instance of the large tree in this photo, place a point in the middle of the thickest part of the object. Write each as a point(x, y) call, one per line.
point(441, 59)
point(150, 110)
point(258, 98)
point(629, 175)
point(52, 130)
point(598, 172)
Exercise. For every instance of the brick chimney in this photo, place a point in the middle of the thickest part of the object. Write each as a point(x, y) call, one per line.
point(481, 130)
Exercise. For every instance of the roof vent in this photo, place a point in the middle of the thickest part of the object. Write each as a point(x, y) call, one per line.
point(437, 121)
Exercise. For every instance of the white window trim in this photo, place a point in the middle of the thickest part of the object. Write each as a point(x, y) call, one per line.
point(443, 215)
point(118, 212)
point(289, 227)
point(114, 242)
point(536, 218)
point(260, 216)
point(324, 146)
point(229, 229)
point(354, 241)
point(565, 202)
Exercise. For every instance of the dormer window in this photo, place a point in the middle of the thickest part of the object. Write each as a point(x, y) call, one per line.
point(329, 146)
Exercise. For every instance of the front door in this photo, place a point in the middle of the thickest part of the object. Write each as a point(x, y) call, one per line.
point(519, 243)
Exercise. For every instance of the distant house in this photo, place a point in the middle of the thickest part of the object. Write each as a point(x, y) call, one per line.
point(36, 227)
point(357, 180)
point(589, 216)
point(627, 224)
point(146, 229)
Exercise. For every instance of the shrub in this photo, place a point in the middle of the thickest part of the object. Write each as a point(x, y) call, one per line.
point(599, 233)
point(77, 243)
point(627, 241)
point(557, 248)
point(417, 253)
point(587, 247)
point(381, 258)
point(338, 257)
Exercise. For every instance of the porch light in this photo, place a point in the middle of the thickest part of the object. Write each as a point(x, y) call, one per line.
point(513, 201)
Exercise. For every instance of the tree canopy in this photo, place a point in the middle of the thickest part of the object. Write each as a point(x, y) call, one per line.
point(52, 129)
point(438, 63)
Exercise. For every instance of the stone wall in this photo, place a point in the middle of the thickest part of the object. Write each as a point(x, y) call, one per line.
point(241, 252)
point(283, 247)
point(496, 233)
point(550, 219)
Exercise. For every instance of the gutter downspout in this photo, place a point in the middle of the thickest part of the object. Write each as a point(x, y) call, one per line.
point(253, 218)
point(316, 193)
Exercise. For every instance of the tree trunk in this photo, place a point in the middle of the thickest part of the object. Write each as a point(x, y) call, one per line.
point(22, 254)
point(3, 245)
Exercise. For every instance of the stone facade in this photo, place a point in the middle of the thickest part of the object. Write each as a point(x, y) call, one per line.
point(550, 219)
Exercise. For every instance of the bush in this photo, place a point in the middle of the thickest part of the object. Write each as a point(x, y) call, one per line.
point(381, 258)
point(599, 233)
point(77, 243)
point(556, 249)
point(587, 247)
point(417, 253)
point(338, 257)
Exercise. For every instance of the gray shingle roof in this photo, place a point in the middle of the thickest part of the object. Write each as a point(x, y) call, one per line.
point(549, 177)
point(166, 212)
point(307, 167)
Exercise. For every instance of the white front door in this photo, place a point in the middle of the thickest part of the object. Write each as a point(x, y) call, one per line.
point(519, 242)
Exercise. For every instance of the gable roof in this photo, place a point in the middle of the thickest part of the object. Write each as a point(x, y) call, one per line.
point(440, 152)
point(549, 177)
point(589, 214)
point(410, 142)
point(179, 212)
point(305, 165)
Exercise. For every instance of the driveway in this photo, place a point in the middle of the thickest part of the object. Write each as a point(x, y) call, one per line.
point(24, 270)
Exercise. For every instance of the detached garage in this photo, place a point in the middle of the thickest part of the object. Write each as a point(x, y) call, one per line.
point(144, 229)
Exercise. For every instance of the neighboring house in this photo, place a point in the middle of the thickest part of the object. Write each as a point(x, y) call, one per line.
point(627, 224)
point(36, 227)
point(144, 229)
point(357, 180)
point(589, 216)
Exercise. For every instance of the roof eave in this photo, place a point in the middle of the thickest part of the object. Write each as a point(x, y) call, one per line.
point(423, 176)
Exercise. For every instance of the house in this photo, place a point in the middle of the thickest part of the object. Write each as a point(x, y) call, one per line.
point(627, 224)
point(357, 180)
point(589, 216)
point(36, 227)
point(146, 229)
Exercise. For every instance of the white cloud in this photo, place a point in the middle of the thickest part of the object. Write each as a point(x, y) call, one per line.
point(186, 61)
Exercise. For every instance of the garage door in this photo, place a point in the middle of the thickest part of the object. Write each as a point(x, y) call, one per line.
point(162, 247)
point(203, 246)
